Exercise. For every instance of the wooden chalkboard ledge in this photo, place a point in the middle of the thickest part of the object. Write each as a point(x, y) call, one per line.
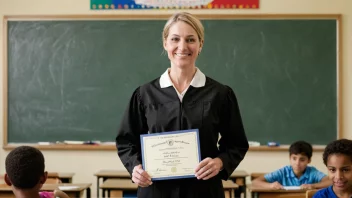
point(63, 147)
point(113, 148)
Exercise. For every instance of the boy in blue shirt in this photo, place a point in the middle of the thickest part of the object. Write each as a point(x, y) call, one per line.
point(338, 159)
point(297, 174)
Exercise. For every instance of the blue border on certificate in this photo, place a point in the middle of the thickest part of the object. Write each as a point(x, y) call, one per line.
point(168, 133)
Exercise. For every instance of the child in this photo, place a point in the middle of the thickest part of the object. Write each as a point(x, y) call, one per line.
point(338, 159)
point(297, 174)
point(25, 173)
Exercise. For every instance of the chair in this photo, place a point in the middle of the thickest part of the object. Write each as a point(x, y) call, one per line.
point(53, 178)
point(310, 193)
point(53, 181)
point(53, 175)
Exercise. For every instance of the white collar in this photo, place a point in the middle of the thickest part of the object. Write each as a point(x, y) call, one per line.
point(197, 81)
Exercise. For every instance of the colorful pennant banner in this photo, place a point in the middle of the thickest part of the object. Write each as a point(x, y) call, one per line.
point(173, 4)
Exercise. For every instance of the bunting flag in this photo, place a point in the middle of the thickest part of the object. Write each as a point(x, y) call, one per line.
point(173, 4)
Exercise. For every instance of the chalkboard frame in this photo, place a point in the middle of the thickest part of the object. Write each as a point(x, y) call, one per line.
point(157, 16)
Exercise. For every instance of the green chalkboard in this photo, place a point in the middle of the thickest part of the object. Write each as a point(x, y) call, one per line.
point(72, 79)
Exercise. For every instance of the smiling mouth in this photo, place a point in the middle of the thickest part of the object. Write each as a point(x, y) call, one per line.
point(339, 184)
point(182, 54)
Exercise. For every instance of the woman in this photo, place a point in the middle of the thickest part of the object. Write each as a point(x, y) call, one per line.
point(184, 98)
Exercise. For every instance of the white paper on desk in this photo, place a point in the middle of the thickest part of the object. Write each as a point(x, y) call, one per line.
point(292, 187)
point(68, 187)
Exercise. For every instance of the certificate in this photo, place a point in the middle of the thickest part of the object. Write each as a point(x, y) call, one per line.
point(171, 155)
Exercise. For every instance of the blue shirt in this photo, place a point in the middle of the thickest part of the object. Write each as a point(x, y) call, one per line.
point(325, 193)
point(286, 177)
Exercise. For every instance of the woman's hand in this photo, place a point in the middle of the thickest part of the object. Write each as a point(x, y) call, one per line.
point(141, 177)
point(208, 168)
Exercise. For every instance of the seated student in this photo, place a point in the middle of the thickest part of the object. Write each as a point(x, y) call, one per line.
point(338, 159)
point(25, 173)
point(297, 174)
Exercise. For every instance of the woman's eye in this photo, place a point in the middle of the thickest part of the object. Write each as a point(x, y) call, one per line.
point(174, 39)
point(191, 40)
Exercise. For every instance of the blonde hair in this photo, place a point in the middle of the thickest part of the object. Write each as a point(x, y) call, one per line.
point(186, 18)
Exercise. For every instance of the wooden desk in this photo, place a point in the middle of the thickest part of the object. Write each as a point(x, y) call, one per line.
point(64, 177)
point(6, 191)
point(126, 184)
point(117, 185)
point(229, 187)
point(238, 176)
point(269, 193)
point(107, 174)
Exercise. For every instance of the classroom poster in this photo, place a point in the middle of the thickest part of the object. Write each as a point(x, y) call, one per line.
point(173, 4)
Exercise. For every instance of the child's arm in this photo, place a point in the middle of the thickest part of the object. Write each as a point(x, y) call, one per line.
point(325, 182)
point(262, 183)
point(60, 194)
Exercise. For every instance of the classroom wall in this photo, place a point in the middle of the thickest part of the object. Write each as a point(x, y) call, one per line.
point(86, 163)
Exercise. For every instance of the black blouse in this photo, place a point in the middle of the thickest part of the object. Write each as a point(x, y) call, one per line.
point(212, 109)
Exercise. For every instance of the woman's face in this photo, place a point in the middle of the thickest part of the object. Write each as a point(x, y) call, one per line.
point(182, 45)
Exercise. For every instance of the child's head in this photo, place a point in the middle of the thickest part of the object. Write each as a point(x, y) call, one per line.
point(300, 156)
point(25, 168)
point(337, 157)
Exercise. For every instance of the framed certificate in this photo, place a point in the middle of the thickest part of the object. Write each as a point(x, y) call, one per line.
point(171, 155)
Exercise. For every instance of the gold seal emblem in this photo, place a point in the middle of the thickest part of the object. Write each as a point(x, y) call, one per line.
point(174, 169)
point(170, 142)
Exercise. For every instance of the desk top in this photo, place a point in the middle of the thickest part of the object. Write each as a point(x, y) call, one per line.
point(52, 187)
point(125, 174)
point(119, 184)
point(256, 189)
point(113, 174)
point(239, 173)
point(229, 184)
point(61, 175)
point(80, 187)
